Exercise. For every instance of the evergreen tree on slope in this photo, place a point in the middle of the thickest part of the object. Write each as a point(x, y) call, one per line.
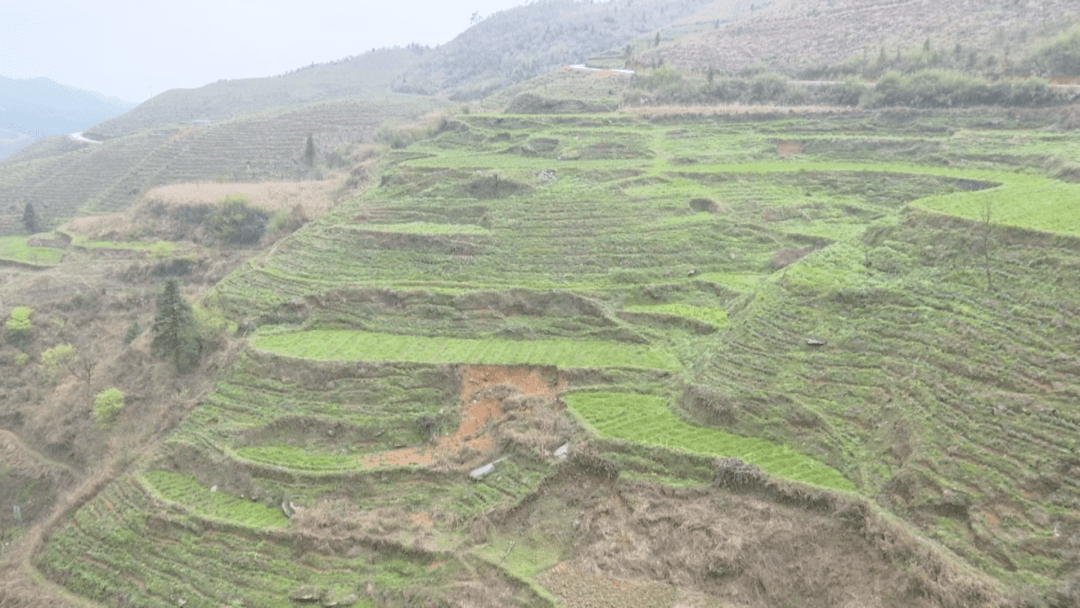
point(176, 334)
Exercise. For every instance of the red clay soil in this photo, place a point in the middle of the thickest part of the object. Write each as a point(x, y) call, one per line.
point(476, 413)
point(787, 149)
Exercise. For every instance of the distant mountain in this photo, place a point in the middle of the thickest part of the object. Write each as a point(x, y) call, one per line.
point(33, 108)
point(522, 42)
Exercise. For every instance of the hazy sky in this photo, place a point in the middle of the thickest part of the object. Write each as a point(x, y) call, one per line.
point(126, 48)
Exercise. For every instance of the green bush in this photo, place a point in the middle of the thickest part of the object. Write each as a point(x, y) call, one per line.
point(211, 327)
point(107, 406)
point(948, 89)
point(22, 359)
point(133, 331)
point(236, 222)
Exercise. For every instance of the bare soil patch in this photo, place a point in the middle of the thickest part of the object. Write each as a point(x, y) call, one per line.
point(483, 389)
point(788, 149)
point(639, 544)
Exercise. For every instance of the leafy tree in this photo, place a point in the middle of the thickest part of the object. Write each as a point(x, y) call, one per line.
point(31, 220)
point(66, 358)
point(176, 336)
point(107, 406)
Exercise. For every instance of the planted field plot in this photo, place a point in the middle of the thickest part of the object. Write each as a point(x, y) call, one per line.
point(209, 503)
point(313, 416)
point(117, 549)
point(921, 341)
point(708, 315)
point(649, 420)
point(343, 345)
point(18, 249)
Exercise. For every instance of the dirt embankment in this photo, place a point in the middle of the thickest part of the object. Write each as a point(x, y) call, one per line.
point(484, 389)
point(641, 545)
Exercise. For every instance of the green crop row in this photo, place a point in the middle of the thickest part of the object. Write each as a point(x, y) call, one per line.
point(716, 317)
point(646, 419)
point(214, 504)
point(345, 345)
point(423, 228)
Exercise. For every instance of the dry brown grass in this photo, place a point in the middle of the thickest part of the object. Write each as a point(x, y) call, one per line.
point(668, 111)
point(315, 197)
point(310, 199)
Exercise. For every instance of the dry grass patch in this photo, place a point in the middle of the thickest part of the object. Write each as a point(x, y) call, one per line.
point(731, 110)
point(314, 197)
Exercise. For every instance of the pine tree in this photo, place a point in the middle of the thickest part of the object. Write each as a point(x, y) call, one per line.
point(309, 151)
point(30, 219)
point(175, 333)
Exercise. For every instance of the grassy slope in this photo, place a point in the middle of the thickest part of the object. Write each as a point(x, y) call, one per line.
point(268, 147)
point(947, 402)
point(365, 76)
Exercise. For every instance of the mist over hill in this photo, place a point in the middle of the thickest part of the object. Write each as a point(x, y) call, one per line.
point(33, 108)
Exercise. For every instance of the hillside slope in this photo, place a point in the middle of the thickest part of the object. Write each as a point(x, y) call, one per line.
point(63, 179)
point(796, 36)
point(363, 75)
point(516, 44)
point(781, 327)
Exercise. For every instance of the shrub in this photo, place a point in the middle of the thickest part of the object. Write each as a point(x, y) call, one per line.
point(236, 222)
point(19, 325)
point(1062, 56)
point(133, 331)
point(211, 327)
point(107, 406)
point(947, 89)
point(22, 359)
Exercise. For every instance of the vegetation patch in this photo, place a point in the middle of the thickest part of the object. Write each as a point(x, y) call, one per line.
point(344, 345)
point(716, 317)
point(649, 420)
point(425, 228)
point(19, 249)
point(212, 503)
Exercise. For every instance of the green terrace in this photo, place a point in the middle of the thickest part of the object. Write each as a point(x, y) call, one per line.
point(649, 420)
point(347, 345)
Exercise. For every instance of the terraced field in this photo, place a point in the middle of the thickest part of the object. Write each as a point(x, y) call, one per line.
point(842, 319)
point(18, 249)
point(649, 420)
point(362, 346)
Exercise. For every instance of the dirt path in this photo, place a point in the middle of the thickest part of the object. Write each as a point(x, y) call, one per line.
point(477, 411)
